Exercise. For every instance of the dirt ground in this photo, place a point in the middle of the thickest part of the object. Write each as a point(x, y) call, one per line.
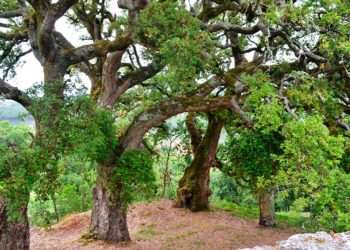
point(158, 225)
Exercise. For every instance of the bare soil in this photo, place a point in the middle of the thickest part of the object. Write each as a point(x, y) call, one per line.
point(157, 225)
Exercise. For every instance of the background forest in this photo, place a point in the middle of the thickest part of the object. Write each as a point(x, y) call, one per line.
point(234, 105)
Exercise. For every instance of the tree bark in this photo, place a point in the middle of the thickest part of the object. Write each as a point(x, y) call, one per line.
point(194, 132)
point(14, 232)
point(108, 218)
point(193, 191)
point(266, 207)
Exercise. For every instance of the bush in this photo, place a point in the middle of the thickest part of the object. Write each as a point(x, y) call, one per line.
point(330, 206)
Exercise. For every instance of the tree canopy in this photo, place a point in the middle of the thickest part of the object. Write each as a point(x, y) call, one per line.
point(273, 75)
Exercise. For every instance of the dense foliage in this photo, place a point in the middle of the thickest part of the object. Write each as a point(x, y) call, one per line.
point(18, 166)
point(167, 78)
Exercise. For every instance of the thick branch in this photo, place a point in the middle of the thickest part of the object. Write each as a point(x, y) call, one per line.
point(112, 88)
point(237, 110)
point(143, 73)
point(9, 92)
point(53, 13)
point(212, 12)
point(236, 28)
point(194, 131)
point(156, 116)
point(97, 49)
point(11, 13)
point(61, 7)
point(18, 35)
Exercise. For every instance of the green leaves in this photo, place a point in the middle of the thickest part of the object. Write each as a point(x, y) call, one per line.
point(309, 166)
point(308, 144)
point(330, 205)
point(269, 117)
point(74, 125)
point(134, 171)
point(263, 103)
point(8, 5)
point(178, 38)
point(249, 154)
point(162, 21)
point(18, 167)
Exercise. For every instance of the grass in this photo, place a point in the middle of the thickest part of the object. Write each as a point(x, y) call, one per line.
point(146, 233)
point(236, 210)
point(284, 219)
point(292, 218)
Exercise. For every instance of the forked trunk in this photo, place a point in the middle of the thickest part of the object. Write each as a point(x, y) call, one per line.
point(267, 207)
point(193, 191)
point(108, 218)
point(14, 227)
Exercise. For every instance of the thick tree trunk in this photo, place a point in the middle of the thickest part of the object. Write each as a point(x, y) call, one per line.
point(266, 207)
point(193, 191)
point(14, 228)
point(108, 218)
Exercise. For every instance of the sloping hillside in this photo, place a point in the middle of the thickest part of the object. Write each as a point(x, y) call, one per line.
point(158, 225)
point(15, 113)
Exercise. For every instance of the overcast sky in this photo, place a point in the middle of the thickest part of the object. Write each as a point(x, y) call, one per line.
point(30, 70)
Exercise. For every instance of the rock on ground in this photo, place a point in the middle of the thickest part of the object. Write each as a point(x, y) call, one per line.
point(311, 241)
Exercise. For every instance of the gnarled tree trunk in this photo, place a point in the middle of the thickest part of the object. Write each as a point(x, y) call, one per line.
point(108, 221)
point(193, 191)
point(108, 218)
point(266, 207)
point(14, 229)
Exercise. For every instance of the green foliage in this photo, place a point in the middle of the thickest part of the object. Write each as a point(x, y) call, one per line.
point(284, 219)
point(236, 209)
point(178, 37)
point(335, 21)
point(249, 154)
point(269, 117)
point(226, 188)
point(169, 171)
point(69, 126)
point(18, 166)
point(294, 144)
point(135, 173)
point(87, 131)
point(77, 126)
point(330, 205)
point(309, 167)
point(163, 20)
point(263, 103)
point(9, 53)
point(73, 194)
point(308, 145)
point(312, 95)
point(8, 5)
point(301, 158)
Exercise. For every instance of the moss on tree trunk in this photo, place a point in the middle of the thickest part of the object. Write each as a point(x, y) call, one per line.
point(193, 191)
